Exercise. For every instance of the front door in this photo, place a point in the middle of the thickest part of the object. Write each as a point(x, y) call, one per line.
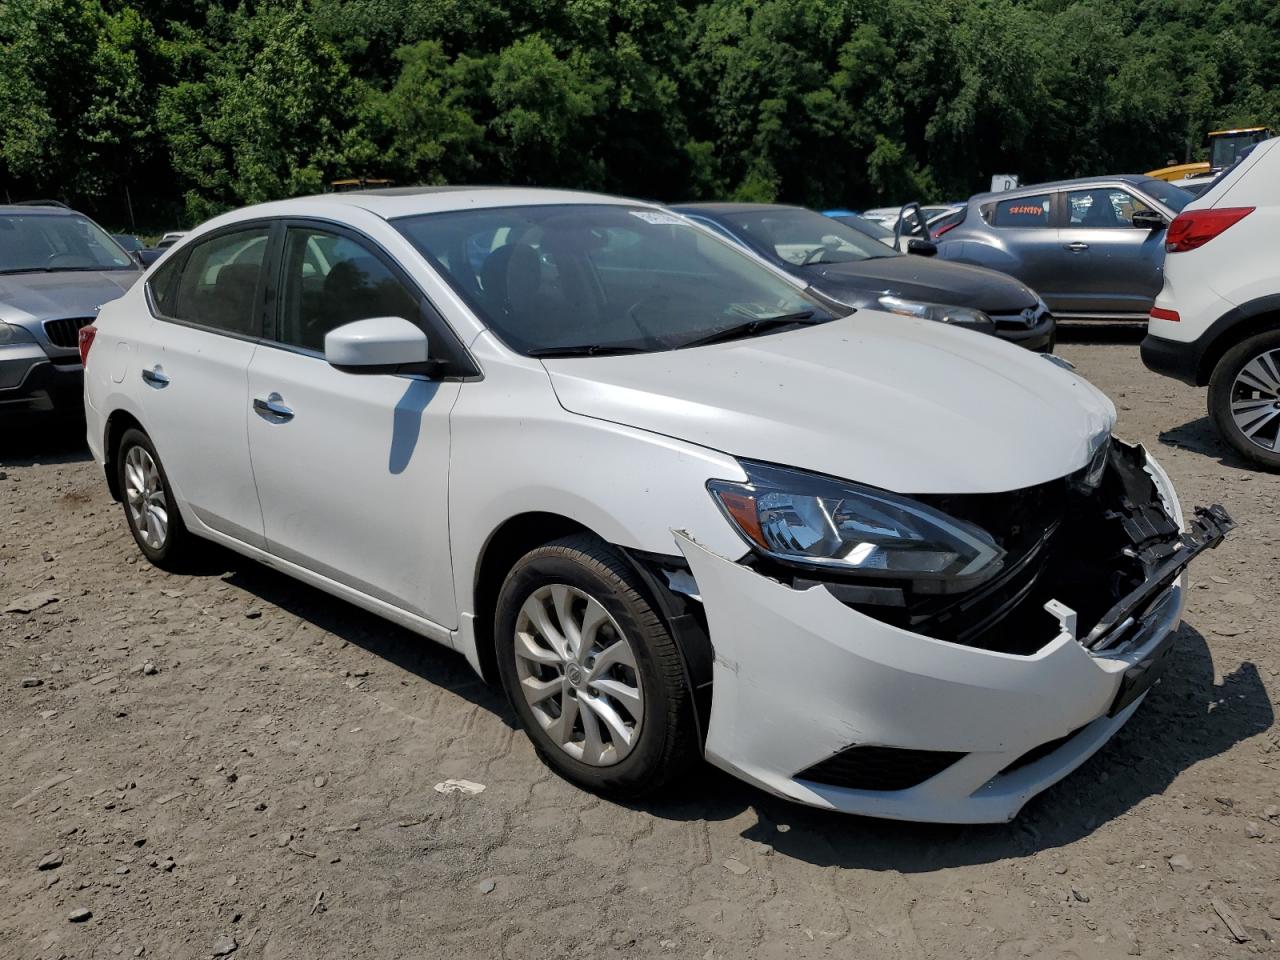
point(352, 470)
point(1115, 266)
point(193, 360)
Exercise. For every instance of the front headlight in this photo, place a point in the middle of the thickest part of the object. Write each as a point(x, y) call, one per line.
point(818, 521)
point(943, 313)
point(10, 334)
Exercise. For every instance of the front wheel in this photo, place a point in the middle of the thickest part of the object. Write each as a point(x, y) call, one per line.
point(1244, 398)
point(592, 671)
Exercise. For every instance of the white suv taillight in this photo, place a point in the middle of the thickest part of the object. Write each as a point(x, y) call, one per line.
point(87, 333)
point(1194, 228)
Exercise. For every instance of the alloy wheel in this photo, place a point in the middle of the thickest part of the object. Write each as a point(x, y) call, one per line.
point(1255, 400)
point(144, 493)
point(577, 671)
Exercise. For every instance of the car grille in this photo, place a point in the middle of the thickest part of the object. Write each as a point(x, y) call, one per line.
point(1022, 320)
point(66, 332)
point(879, 768)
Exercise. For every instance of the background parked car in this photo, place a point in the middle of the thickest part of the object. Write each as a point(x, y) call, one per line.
point(140, 251)
point(1093, 248)
point(56, 268)
point(170, 238)
point(1216, 322)
point(851, 267)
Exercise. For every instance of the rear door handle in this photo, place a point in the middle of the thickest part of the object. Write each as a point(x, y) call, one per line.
point(272, 408)
point(1076, 246)
point(155, 377)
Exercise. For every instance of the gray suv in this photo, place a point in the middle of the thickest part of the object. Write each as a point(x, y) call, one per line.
point(56, 268)
point(1092, 248)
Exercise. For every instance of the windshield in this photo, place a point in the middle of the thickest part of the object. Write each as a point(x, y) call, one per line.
point(803, 238)
point(39, 242)
point(1173, 197)
point(601, 277)
point(877, 231)
point(1226, 150)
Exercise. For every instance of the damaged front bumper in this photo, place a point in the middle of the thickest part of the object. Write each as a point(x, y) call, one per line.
point(825, 705)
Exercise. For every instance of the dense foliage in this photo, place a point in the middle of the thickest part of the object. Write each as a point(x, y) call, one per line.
point(169, 110)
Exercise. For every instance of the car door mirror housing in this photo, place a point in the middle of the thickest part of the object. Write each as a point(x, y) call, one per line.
point(922, 248)
point(146, 257)
point(1149, 220)
point(377, 345)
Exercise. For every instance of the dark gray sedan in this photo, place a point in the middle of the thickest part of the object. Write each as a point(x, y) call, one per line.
point(1093, 248)
point(851, 267)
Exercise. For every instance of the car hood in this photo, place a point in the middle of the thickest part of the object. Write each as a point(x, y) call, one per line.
point(919, 278)
point(899, 403)
point(33, 297)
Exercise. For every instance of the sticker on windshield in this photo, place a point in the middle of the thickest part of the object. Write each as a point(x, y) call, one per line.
point(655, 216)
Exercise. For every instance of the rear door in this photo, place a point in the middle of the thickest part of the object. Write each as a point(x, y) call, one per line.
point(1026, 229)
point(1115, 266)
point(193, 361)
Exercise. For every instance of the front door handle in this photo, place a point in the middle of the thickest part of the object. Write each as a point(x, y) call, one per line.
point(272, 408)
point(1077, 246)
point(155, 377)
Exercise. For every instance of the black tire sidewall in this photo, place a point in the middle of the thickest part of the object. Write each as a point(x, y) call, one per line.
point(1220, 385)
point(167, 554)
point(643, 766)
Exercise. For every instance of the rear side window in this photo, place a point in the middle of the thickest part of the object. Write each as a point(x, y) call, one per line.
point(1021, 212)
point(218, 284)
point(164, 286)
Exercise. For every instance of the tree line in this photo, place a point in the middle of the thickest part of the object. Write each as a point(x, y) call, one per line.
point(164, 112)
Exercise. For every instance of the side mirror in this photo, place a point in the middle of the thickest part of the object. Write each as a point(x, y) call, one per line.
point(376, 345)
point(923, 248)
point(1149, 220)
point(146, 257)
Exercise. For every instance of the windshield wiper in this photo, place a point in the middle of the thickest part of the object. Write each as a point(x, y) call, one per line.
point(585, 350)
point(751, 327)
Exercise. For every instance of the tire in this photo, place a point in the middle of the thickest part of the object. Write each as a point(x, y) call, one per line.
point(1261, 354)
point(571, 575)
point(172, 549)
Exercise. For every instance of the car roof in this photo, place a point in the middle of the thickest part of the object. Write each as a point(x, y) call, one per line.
point(392, 202)
point(1023, 190)
point(37, 209)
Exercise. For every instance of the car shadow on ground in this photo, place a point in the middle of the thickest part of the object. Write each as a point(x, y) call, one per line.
point(398, 646)
point(1202, 437)
point(1187, 718)
point(1100, 331)
point(28, 439)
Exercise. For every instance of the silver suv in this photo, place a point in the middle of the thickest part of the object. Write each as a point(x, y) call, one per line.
point(57, 267)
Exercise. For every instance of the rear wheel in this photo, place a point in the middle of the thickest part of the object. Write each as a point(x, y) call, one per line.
point(1244, 398)
point(591, 669)
point(149, 506)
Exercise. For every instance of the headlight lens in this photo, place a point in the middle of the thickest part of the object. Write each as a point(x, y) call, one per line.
point(941, 312)
point(819, 521)
point(10, 334)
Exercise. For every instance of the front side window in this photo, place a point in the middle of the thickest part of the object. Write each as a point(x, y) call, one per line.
point(804, 238)
point(331, 280)
point(601, 277)
point(1102, 208)
point(1020, 212)
point(219, 283)
point(57, 243)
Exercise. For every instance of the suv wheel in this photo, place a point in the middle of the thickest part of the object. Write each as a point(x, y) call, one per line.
point(149, 507)
point(1244, 398)
point(592, 670)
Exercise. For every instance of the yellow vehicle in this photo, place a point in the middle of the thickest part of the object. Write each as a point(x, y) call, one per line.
point(1224, 147)
point(359, 183)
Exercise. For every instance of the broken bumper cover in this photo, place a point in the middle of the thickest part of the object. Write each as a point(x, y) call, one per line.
point(800, 678)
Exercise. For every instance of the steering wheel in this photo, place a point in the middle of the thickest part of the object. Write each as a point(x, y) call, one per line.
point(633, 312)
point(62, 256)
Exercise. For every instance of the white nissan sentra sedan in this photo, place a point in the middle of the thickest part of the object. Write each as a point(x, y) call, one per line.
point(678, 504)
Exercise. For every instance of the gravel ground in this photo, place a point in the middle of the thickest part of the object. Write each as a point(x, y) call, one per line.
point(233, 762)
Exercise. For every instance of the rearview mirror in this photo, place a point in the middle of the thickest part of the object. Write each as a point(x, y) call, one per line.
point(1149, 220)
point(922, 248)
point(376, 345)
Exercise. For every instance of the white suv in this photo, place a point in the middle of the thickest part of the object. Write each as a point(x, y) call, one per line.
point(678, 504)
point(1217, 320)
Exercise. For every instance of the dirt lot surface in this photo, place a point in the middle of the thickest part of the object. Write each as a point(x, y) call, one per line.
point(234, 763)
